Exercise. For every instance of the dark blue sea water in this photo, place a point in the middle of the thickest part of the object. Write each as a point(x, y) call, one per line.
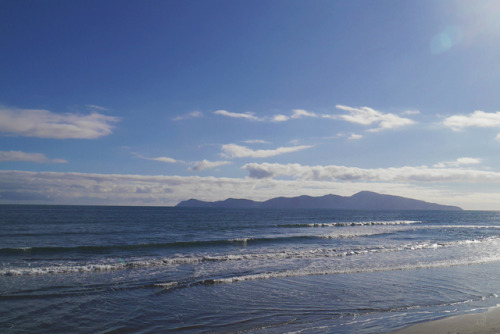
point(80, 269)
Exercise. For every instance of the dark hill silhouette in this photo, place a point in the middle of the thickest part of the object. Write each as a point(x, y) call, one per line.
point(364, 200)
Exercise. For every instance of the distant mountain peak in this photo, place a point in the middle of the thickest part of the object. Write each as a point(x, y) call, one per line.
point(363, 200)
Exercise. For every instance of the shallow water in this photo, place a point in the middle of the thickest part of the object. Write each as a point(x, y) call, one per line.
point(146, 269)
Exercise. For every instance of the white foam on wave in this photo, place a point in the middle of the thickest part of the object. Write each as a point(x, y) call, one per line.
point(286, 254)
point(355, 233)
point(339, 271)
point(463, 226)
point(360, 223)
point(168, 285)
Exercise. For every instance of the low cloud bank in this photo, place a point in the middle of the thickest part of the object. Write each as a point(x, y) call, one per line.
point(396, 174)
point(112, 189)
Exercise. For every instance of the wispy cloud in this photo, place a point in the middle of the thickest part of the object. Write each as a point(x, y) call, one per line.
point(363, 115)
point(96, 107)
point(354, 136)
point(196, 166)
point(478, 119)
point(166, 160)
point(280, 118)
point(411, 112)
point(352, 174)
point(247, 115)
point(296, 113)
point(369, 116)
point(256, 141)
point(237, 151)
point(299, 113)
point(192, 114)
point(458, 163)
point(28, 157)
point(46, 124)
point(205, 164)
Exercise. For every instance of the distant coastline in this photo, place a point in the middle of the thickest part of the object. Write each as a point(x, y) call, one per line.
point(364, 200)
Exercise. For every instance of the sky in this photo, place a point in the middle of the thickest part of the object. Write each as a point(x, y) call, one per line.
point(154, 102)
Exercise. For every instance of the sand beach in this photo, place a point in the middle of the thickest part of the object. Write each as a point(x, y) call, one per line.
point(477, 323)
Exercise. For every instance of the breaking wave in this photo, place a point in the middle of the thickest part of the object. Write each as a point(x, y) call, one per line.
point(111, 264)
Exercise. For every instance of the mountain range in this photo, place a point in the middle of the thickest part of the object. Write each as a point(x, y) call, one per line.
point(364, 200)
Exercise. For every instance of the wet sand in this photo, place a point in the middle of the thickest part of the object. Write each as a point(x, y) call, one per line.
point(477, 323)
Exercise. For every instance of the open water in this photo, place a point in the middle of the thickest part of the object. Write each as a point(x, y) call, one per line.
point(82, 269)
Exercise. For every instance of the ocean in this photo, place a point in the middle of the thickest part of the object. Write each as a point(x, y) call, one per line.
point(96, 269)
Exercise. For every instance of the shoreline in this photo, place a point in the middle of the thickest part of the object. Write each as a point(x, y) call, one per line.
point(487, 322)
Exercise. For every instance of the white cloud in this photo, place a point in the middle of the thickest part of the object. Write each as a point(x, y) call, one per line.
point(195, 166)
point(46, 124)
point(280, 118)
point(459, 162)
point(256, 141)
point(165, 159)
point(354, 136)
point(468, 161)
point(249, 116)
point(296, 113)
point(355, 174)
point(27, 157)
point(192, 114)
point(478, 119)
point(237, 151)
point(96, 107)
point(369, 116)
point(411, 112)
point(299, 113)
point(205, 164)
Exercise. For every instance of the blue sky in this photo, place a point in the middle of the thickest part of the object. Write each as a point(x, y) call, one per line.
point(154, 102)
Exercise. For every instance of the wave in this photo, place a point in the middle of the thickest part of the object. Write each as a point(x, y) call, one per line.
point(362, 223)
point(113, 264)
point(110, 248)
point(244, 241)
point(375, 228)
point(337, 271)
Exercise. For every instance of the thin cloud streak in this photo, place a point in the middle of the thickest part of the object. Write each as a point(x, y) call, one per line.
point(205, 164)
point(28, 157)
point(369, 116)
point(238, 151)
point(46, 124)
point(256, 141)
point(248, 116)
point(167, 160)
point(459, 162)
point(193, 114)
point(299, 113)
